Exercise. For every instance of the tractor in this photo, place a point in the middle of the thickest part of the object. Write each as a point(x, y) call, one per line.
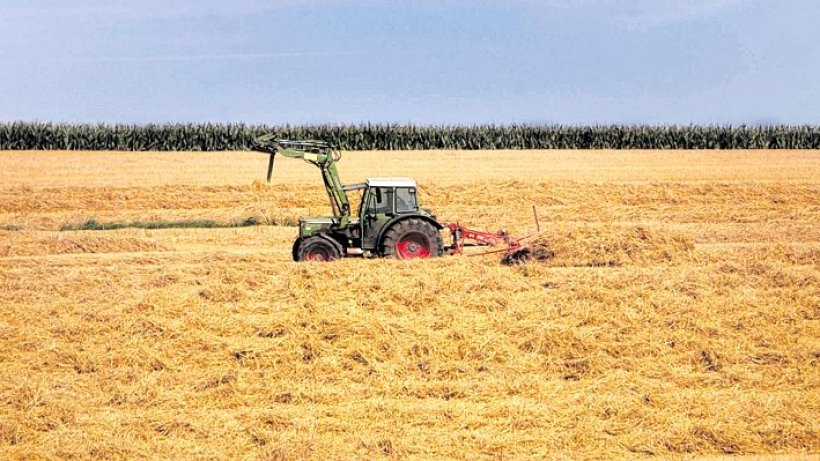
point(390, 222)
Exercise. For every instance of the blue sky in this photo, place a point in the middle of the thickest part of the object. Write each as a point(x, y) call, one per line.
point(444, 61)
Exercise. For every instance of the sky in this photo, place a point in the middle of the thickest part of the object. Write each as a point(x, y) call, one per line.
point(423, 61)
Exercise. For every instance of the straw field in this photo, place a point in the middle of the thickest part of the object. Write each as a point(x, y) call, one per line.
point(679, 319)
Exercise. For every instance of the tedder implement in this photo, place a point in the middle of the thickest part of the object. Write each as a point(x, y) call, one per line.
point(390, 222)
point(515, 251)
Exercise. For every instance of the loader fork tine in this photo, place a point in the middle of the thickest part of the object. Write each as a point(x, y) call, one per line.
point(270, 167)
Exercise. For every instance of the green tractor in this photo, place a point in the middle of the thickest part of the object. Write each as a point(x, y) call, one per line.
point(390, 222)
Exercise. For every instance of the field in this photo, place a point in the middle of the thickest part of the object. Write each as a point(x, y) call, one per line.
point(679, 319)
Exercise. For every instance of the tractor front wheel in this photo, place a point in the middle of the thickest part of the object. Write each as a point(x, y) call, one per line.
point(411, 239)
point(295, 250)
point(317, 249)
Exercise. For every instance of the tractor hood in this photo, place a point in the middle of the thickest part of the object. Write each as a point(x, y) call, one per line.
point(310, 226)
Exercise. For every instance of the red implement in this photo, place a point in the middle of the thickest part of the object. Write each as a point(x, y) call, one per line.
point(515, 250)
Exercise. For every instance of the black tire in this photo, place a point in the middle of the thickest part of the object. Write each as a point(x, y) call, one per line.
point(412, 238)
point(318, 249)
point(295, 250)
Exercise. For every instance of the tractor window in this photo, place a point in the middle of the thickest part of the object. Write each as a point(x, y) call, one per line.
point(406, 200)
point(381, 200)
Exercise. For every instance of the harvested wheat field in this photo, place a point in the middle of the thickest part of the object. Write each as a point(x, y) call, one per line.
point(679, 318)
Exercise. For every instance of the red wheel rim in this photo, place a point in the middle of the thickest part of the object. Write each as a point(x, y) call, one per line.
point(414, 245)
point(318, 254)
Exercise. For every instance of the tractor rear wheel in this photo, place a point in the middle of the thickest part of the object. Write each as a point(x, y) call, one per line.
point(412, 238)
point(317, 249)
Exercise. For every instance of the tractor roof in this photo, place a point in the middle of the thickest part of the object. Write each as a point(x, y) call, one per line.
point(391, 182)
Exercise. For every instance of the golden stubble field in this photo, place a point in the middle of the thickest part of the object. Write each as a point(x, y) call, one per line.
point(680, 318)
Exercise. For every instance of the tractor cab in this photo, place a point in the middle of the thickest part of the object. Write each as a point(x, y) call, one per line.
point(385, 200)
point(389, 196)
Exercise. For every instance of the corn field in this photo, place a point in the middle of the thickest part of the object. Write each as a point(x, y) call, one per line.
point(220, 137)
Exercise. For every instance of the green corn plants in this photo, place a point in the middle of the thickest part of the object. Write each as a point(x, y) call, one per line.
point(229, 137)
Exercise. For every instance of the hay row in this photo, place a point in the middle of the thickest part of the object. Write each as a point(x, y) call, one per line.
point(481, 193)
point(607, 245)
point(12, 244)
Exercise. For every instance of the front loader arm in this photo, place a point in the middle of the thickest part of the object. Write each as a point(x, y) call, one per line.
point(317, 153)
